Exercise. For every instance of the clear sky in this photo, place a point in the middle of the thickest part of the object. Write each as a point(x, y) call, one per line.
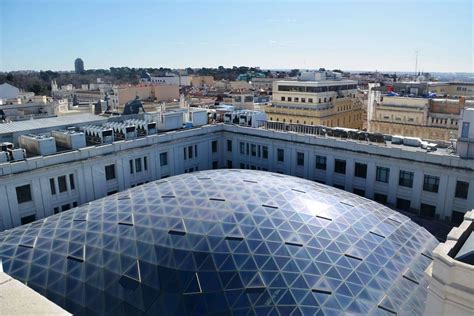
point(350, 35)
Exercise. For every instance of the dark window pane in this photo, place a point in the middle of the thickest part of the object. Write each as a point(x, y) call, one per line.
point(431, 183)
point(462, 189)
point(340, 166)
point(109, 172)
point(62, 184)
point(360, 170)
point(23, 193)
point(52, 186)
point(321, 162)
point(405, 179)
point(71, 182)
point(382, 174)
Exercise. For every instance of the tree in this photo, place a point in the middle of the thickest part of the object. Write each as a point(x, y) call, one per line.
point(294, 72)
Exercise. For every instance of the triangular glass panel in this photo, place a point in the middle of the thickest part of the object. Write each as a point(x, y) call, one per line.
point(194, 286)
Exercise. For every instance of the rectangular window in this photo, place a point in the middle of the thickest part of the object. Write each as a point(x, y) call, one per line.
point(195, 151)
point(184, 153)
point(74, 204)
point(71, 182)
point(163, 159)
point(28, 219)
point(214, 164)
point(320, 162)
point(289, 99)
point(405, 179)
point(242, 166)
point(382, 174)
point(145, 163)
point(340, 166)
point(109, 172)
point(360, 170)
point(431, 183)
point(248, 149)
point(242, 148)
point(52, 186)
point(253, 150)
point(56, 210)
point(190, 152)
point(264, 152)
point(359, 192)
point(310, 100)
point(138, 165)
point(427, 210)
point(23, 193)
point(380, 198)
point(62, 184)
point(229, 145)
point(283, 98)
point(280, 155)
point(214, 146)
point(229, 164)
point(65, 207)
point(131, 166)
point(403, 204)
point(300, 159)
point(462, 189)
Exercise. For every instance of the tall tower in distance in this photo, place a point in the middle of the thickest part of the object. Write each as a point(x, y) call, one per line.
point(78, 66)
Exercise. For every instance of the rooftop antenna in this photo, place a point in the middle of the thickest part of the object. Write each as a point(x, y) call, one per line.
point(416, 64)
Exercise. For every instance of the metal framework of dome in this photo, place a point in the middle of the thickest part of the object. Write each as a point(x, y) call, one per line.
point(225, 242)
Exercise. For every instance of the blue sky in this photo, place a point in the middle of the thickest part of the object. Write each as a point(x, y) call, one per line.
point(350, 35)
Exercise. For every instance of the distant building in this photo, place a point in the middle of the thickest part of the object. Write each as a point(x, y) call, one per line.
point(167, 79)
point(7, 91)
point(202, 81)
point(78, 66)
point(411, 110)
point(326, 102)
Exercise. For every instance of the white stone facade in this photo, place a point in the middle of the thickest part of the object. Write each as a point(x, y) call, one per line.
point(79, 176)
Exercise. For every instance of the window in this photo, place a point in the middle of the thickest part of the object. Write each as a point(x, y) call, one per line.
point(253, 150)
point(283, 98)
point(145, 163)
point(297, 99)
point(214, 164)
point(28, 219)
point(109, 172)
point(310, 100)
point(195, 151)
point(138, 165)
point(380, 198)
point(403, 204)
point(465, 130)
point(359, 192)
point(52, 186)
point(131, 166)
point(184, 153)
point(65, 207)
point(164, 159)
point(300, 159)
point(303, 100)
point(74, 204)
point(427, 210)
point(23, 193)
point(242, 166)
point(214, 146)
point(289, 99)
point(405, 179)
point(360, 170)
point(382, 174)
point(229, 145)
point(242, 148)
point(339, 186)
point(340, 166)
point(431, 183)
point(462, 189)
point(71, 182)
point(56, 210)
point(190, 152)
point(229, 164)
point(321, 162)
point(280, 155)
point(264, 152)
point(62, 184)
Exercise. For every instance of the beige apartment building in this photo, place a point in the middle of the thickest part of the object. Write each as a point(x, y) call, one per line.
point(453, 89)
point(328, 102)
point(146, 92)
point(430, 119)
point(201, 81)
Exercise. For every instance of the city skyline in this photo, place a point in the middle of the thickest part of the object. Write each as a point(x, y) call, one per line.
point(349, 35)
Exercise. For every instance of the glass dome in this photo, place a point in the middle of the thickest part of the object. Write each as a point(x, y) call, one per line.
point(225, 242)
